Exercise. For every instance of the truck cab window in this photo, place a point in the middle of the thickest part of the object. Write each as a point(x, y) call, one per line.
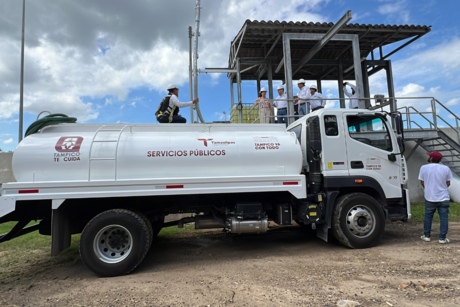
point(298, 132)
point(370, 130)
point(330, 125)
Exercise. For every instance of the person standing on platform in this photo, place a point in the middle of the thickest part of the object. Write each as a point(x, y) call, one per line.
point(316, 99)
point(436, 178)
point(353, 96)
point(301, 97)
point(265, 107)
point(168, 111)
point(281, 106)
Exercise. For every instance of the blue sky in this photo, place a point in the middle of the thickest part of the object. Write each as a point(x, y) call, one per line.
point(107, 64)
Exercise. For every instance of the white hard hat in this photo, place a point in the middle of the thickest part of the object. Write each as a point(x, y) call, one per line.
point(171, 87)
point(280, 87)
point(313, 87)
point(263, 90)
point(301, 81)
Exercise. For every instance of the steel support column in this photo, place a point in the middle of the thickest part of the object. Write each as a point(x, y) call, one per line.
point(358, 72)
point(366, 86)
point(238, 86)
point(270, 85)
point(340, 82)
point(288, 76)
point(232, 93)
point(391, 87)
point(258, 86)
point(319, 85)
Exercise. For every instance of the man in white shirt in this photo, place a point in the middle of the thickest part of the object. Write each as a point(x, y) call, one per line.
point(168, 111)
point(302, 97)
point(435, 178)
point(281, 105)
point(353, 96)
point(316, 99)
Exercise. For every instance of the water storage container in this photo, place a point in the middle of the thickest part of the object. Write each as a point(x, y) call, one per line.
point(82, 152)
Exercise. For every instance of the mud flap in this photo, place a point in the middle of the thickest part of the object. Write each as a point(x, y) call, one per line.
point(322, 232)
point(60, 230)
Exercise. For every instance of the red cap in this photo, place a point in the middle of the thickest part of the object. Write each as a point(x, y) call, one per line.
point(435, 155)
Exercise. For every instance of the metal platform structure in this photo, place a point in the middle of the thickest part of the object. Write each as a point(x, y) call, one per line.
point(287, 51)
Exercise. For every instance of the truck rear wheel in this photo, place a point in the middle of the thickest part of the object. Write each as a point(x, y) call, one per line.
point(114, 242)
point(358, 221)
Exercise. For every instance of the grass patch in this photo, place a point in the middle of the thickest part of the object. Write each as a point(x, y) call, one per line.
point(31, 253)
point(174, 231)
point(418, 212)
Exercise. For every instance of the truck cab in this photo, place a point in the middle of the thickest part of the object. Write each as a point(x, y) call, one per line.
point(354, 152)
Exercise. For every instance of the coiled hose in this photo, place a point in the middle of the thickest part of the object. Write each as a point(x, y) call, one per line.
point(52, 119)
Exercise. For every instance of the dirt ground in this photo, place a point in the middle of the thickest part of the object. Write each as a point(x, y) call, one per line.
point(284, 267)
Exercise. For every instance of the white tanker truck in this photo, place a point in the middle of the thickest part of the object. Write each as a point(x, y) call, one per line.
point(333, 170)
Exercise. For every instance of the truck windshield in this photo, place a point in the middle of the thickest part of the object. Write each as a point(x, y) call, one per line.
point(370, 130)
point(298, 131)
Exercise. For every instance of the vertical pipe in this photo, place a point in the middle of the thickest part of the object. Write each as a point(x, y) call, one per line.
point(270, 87)
point(258, 85)
point(358, 72)
point(190, 79)
point(340, 80)
point(391, 90)
point(21, 93)
point(238, 86)
point(195, 58)
point(288, 77)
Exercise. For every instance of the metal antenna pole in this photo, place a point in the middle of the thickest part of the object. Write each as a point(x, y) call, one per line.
point(195, 58)
point(190, 79)
point(21, 94)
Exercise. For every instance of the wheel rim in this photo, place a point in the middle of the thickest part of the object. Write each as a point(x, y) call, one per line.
point(113, 244)
point(360, 221)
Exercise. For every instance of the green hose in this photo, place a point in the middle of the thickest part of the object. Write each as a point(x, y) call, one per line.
point(52, 119)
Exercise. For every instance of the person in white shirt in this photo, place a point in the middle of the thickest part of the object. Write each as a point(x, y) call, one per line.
point(301, 97)
point(281, 105)
point(316, 99)
point(354, 97)
point(435, 178)
point(168, 111)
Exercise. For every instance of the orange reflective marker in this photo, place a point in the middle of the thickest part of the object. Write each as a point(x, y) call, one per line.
point(359, 181)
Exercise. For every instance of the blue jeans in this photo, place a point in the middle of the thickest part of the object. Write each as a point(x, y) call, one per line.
point(175, 119)
point(443, 212)
point(282, 119)
point(303, 110)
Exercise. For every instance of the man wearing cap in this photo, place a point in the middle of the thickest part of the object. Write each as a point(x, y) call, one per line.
point(265, 107)
point(168, 111)
point(281, 105)
point(316, 99)
point(301, 97)
point(435, 178)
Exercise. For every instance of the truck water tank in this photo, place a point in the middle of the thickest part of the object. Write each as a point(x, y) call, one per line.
point(82, 152)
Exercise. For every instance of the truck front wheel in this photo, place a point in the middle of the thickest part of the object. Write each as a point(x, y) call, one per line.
point(114, 242)
point(358, 221)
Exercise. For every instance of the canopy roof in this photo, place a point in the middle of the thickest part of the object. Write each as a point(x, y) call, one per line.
point(256, 38)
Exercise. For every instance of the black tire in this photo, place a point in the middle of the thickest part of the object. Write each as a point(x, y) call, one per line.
point(367, 217)
point(108, 231)
point(149, 226)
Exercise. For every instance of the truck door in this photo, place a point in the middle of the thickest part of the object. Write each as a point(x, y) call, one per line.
point(369, 143)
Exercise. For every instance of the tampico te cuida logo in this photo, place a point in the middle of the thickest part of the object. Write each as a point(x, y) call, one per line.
point(68, 148)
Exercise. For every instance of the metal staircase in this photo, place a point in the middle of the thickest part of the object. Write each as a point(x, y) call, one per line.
point(423, 129)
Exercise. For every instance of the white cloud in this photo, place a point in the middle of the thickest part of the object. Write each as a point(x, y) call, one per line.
point(108, 101)
point(453, 102)
point(395, 11)
point(9, 141)
point(8, 108)
point(133, 104)
point(219, 115)
point(411, 88)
